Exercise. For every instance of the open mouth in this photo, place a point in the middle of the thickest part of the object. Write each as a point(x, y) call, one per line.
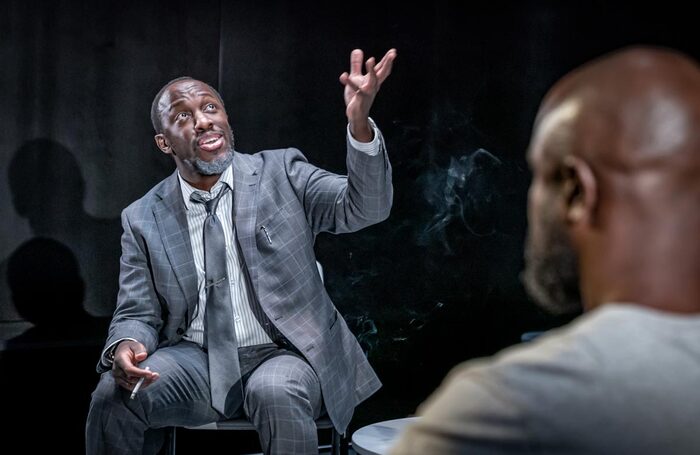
point(210, 142)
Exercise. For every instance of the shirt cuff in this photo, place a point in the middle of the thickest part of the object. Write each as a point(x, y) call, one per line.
point(108, 354)
point(370, 148)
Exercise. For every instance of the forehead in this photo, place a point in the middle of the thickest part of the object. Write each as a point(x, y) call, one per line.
point(553, 131)
point(183, 91)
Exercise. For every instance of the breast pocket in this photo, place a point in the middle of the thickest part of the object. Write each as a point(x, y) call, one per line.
point(279, 230)
point(270, 231)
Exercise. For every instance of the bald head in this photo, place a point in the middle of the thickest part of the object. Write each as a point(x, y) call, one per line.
point(633, 116)
point(636, 107)
point(615, 155)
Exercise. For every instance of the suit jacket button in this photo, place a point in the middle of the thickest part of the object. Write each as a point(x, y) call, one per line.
point(180, 331)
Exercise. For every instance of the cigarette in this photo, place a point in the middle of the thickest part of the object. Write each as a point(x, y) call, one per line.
point(138, 385)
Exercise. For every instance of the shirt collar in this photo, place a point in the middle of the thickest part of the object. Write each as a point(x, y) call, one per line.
point(187, 189)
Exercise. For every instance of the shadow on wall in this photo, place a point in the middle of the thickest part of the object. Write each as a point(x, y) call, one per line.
point(58, 281)
point(48, 372)
point(48, 190)
point(47, 290)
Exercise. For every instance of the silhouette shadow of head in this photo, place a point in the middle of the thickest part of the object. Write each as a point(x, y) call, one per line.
point(46, 184)
point(48, 190)
point(47, 290)
point(50, 367)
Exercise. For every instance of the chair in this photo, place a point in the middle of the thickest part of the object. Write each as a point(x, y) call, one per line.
point(380, 436)
point(338, 446)
point(339, 443)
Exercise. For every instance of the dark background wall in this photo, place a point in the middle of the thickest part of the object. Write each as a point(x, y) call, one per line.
point(436, 283)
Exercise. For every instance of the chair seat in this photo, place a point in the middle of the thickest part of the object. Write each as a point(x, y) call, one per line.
point(322, 423)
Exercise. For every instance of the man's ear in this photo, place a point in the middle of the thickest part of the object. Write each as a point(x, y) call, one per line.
point(163, 144)
point(580, 191)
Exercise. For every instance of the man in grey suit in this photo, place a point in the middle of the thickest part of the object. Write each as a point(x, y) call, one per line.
point(296, 355)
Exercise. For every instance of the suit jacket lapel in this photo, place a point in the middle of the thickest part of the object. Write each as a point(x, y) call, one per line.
point(172, 225)
point(245, 192)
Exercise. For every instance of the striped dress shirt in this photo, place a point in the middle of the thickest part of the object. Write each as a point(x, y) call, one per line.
point(248, 330)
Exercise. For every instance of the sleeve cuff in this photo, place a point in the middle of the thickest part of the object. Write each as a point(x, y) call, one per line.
point(107, 358)
point(370, 148)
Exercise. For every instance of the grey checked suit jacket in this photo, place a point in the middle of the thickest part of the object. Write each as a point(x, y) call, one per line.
point(280, 203)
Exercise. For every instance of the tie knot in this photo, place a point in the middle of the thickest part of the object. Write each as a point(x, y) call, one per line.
point(209, 204)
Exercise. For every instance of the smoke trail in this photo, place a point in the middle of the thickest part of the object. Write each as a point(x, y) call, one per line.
point(466, 192)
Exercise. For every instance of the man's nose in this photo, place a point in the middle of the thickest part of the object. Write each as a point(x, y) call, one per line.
point(202, 122)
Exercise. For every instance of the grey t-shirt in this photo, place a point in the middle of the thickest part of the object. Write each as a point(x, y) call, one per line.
point(622, 379)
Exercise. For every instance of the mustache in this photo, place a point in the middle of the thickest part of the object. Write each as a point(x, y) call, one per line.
point(209, 132)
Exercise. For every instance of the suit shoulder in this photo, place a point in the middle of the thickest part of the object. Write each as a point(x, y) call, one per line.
point(145, 202)
point(271, 161)
point(282, 154)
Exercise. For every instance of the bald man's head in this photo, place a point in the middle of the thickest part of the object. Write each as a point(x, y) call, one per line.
point(615, 154)
point(628, 109)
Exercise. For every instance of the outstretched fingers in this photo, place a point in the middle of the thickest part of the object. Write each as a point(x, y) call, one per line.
point(383, 68)
point(371, 76)
point(356, 57)
point(353, 79)
point(360, 89)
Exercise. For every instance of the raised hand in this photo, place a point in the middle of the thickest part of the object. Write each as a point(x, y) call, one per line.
point(360, 90)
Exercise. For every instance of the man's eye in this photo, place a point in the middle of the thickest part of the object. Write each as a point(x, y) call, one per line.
point(210, 107)
point(182, 115)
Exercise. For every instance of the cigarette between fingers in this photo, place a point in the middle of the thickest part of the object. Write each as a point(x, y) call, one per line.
point(138, 385)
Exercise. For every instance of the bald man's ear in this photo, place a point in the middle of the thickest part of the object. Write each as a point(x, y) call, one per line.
point(163, 144)
point(579, 190)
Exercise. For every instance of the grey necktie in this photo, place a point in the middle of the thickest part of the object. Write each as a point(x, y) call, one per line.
point(220, 333)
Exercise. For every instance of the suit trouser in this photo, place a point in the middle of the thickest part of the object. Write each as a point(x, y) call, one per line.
point(282, 397)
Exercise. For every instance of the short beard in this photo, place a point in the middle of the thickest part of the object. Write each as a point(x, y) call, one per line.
point(551, 276)
point(217, 166)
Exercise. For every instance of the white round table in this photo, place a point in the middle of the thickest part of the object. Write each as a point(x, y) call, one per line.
point(377, 438)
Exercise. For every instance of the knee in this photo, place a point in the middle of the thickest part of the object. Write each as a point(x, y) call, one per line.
point(273, 389)
point(111, 399)
point(260, 390)
point(107, 392)
point(107, 399)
